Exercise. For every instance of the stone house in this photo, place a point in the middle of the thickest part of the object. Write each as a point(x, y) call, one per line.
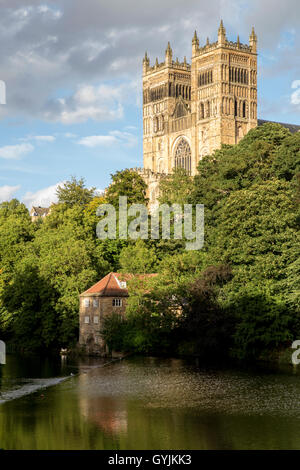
point(107, 296)
point(37, 212)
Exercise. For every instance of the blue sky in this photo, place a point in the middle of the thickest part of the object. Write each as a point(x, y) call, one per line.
point(73, 75)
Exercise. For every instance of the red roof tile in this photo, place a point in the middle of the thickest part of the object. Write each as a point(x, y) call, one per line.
point(110, 285)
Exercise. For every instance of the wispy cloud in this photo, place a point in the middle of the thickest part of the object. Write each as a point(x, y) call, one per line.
point(44, 138)
point(99, 103)
point(295, 96)
point(13, 152)
point(114, 137)
point(97, 140)
point(40, 138)
point(43, 197)
point(6, 192)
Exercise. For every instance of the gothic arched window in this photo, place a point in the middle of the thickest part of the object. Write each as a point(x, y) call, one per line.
point(183, 156)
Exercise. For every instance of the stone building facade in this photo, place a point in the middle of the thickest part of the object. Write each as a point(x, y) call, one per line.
point(107, 296)
point(189, 110)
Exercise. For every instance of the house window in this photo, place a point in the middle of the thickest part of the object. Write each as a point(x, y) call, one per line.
point(86, 319)
point(95, 302)
point(123, 284)
point(96, 320)
point(117, 302)
point(86, 302)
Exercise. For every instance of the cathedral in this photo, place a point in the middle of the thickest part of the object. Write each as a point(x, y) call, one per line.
point(191, 109)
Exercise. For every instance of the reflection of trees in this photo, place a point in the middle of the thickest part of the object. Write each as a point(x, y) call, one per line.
point(142, 404)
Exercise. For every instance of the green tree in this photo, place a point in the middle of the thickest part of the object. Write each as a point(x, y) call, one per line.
point(138, 258)
point(127, 183)
point(176, 187)
point(74, 192)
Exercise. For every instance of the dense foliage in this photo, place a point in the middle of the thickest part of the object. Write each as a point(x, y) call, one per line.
point(239, 296)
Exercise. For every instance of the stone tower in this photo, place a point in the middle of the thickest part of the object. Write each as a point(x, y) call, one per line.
point(189, 110)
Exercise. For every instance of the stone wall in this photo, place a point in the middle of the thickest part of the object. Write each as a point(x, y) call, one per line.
point(99, 307)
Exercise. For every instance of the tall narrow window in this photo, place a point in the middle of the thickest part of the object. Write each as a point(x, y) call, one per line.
point(244, 109)
point(235, 108)
point(183, 156)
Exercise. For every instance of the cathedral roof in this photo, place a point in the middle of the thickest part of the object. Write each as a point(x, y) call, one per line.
point(293, 128)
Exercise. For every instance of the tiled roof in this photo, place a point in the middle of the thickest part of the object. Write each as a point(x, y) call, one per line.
point(293, 128)
point(110, 285)
point(40, 211)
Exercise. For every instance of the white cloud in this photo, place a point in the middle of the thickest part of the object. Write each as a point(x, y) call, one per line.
point(97, 140)
point(295, 96)
point(70, 135)
point(114, 137)
point(43, 197)
point(128, 139)
point(12, 152)
point(44, 138)
point(99, 103)
point(44, 9)
point(41, 138)
point(6, 192)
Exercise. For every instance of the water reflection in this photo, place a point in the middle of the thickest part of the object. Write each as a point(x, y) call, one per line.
point(158, 404)
point(107, 413)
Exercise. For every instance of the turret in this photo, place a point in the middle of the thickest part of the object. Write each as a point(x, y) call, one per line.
point(146, 63)
point(253, 41)
point(221, 34)
point(169, 55)
point(195, 43)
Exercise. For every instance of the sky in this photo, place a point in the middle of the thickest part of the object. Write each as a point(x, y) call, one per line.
point(73, 76)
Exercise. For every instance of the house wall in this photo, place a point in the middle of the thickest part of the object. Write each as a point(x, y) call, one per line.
point(90, 337)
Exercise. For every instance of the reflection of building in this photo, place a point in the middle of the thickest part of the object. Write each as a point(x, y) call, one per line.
point(108, 413)
point(38, 212)
point(106, 297)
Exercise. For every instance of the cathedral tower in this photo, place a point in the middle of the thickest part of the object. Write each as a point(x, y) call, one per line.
point(189, 110)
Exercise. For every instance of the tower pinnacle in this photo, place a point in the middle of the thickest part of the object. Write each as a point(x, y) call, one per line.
point(195, 43)
point(221, 33)
point(169, 55)
point(253, 40)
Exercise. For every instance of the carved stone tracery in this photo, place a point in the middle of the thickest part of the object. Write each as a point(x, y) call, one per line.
point(183, 155)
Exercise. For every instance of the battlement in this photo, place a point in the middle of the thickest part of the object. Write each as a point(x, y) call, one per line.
point(223, 42)
point(174, 64)
point(228, 44)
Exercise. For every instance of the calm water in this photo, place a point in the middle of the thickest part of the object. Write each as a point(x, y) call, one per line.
point(146, 403)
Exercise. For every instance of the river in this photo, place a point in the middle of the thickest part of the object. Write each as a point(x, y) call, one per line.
point(146, 403)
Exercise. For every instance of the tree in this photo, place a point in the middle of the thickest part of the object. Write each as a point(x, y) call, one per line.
point(127, 183)
point(204, 324)
point(176, 187)
point(137, 258)
point(237, 167)
point(74, 192)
